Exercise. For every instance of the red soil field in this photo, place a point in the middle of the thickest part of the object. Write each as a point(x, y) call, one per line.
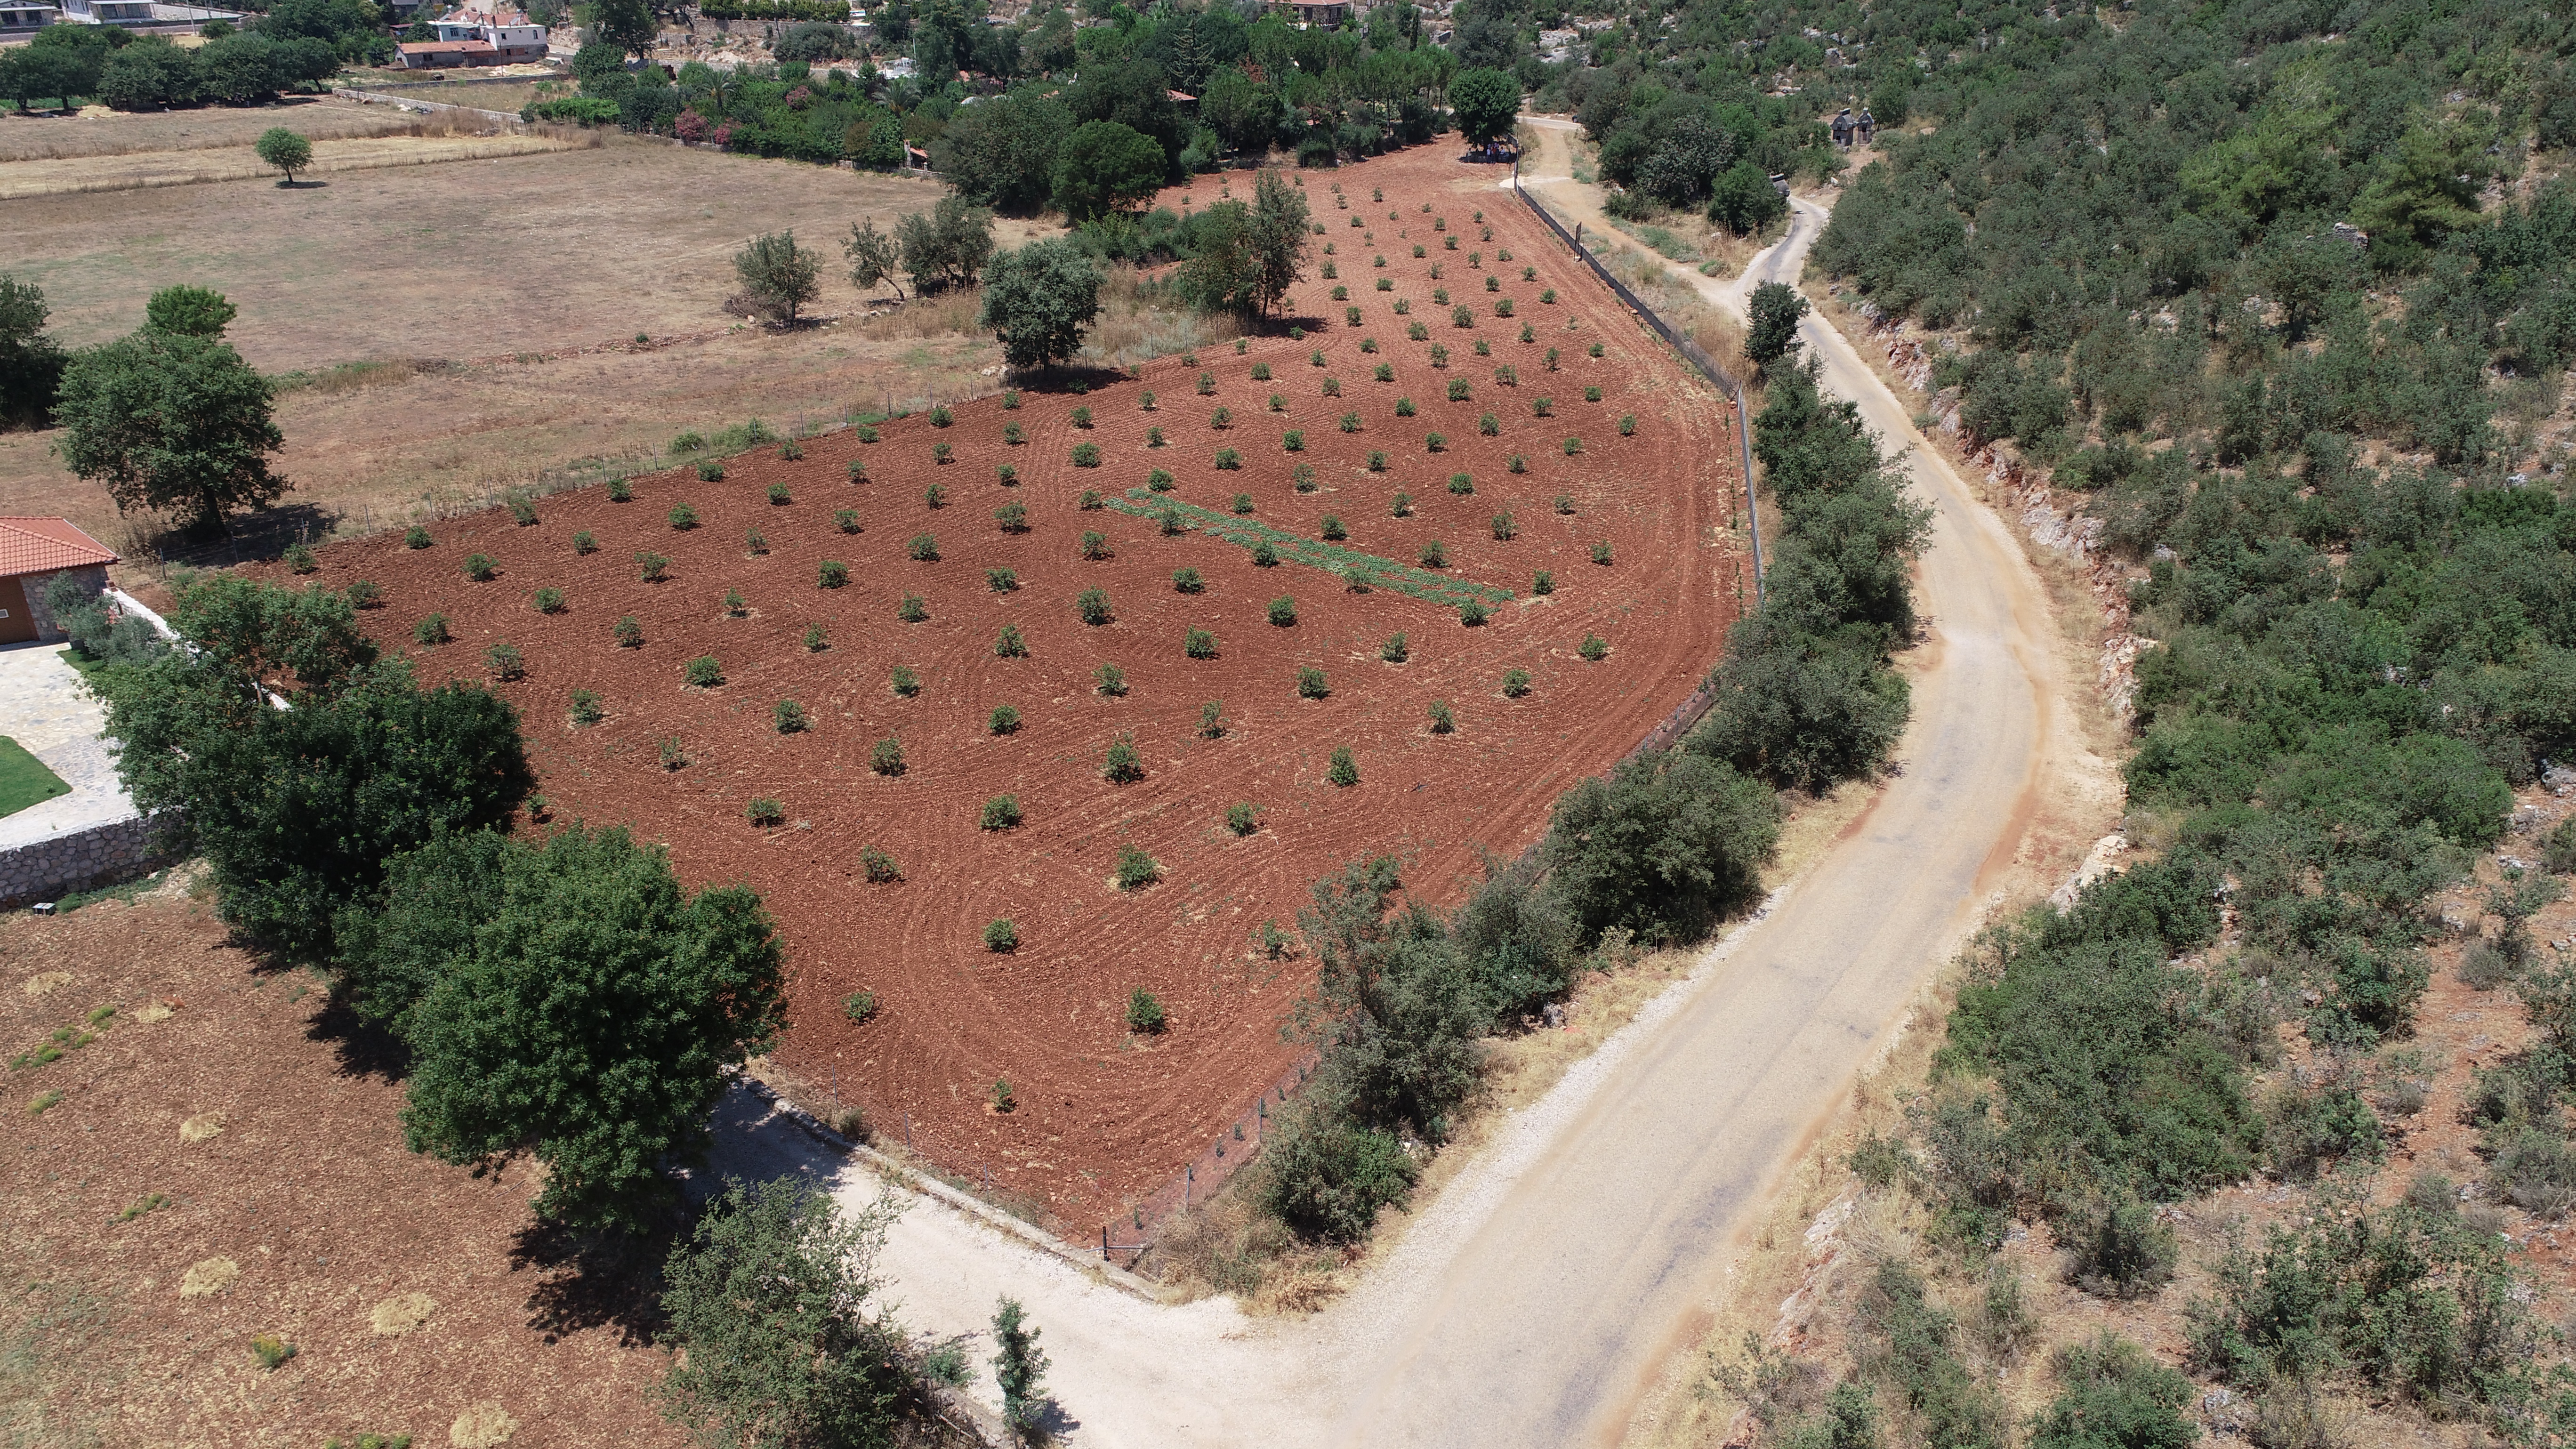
point(1102, 1116)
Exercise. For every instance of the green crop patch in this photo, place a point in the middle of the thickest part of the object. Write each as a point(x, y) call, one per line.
point(1378, 573)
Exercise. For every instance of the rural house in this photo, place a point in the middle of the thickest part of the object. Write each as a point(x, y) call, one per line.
point(32, 551)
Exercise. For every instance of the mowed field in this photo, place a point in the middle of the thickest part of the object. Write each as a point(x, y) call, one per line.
point(1104, 1116)
point(520, 282)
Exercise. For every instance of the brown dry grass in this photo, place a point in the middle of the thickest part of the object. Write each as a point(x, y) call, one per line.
point(543, 267)
point(27, 180)
point(118, 133)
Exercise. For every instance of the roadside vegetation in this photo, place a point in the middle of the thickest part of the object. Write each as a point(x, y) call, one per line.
point(2276, 300)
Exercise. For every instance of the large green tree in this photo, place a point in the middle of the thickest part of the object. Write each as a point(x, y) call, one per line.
point(595, 1020)
point(1485, 101)
point(1279, 231)
point(1106, 166)
point(947, 246)
point(297, 810)
point(31, 363)
point(170, 421)
point(1039, 299)
point(193, 311)
point(785, 1338)
point(778, 274)
point(1000, 152)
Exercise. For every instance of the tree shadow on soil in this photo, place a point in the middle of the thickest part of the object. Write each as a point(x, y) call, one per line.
point(365, 1048)
point(595, 1280)
point(257, 537)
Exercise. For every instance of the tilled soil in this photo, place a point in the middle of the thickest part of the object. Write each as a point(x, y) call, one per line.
point(1102, 1116)
point(217, 1132)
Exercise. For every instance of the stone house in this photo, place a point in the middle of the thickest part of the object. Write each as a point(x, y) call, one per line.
point(32, 551)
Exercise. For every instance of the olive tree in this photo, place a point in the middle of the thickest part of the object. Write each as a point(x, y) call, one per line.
point(1039, 299)
point(778, 274)
point(166, 420)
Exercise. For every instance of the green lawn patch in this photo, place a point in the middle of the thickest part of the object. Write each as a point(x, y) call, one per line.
point(24, 780)
point(1381, 573)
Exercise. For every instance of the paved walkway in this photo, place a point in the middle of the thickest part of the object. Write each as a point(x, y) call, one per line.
point(45, 707)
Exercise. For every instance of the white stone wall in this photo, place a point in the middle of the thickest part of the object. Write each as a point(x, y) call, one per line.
point(78, 860)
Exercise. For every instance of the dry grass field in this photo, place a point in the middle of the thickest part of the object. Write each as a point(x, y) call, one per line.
point(99, 132)
point(72, 175)
point(504, 292)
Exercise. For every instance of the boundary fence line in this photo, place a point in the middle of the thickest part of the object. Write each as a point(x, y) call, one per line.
point(1691, 351)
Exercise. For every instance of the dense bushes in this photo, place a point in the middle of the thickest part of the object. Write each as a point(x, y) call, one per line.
point(353, 830)
point(1806, 696)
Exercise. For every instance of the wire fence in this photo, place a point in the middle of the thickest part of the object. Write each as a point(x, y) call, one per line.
point(1236, 1144)
point(1691, 351)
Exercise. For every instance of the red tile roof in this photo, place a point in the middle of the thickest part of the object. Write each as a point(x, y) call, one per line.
point(44, 545)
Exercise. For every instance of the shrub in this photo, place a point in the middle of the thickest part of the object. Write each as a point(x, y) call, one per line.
point(1009, 644)
point(846, 519)
point(1293, 441)
point(584, 542)
point(652, 568)
point(1435, 554)
point(923, 548)
point(1153, 437)
point(1086, 455)
point(1093, 606)
point(2119, 1248)
point(1332, 387)
point(1010, 399)
point(1187, 581)
point(1207, 382)
point(1444, 720)
point(1627, 425)
point(912, 610)
point(861, 1006)
point(1002, 812)
point(1095, 546)
point(620, 491)
point(711, 471)
point(1402, 507)
point(1000, 935)
point(1144, 1013)
point(816, 641)
point(939, 454)
point(1110, 680)
point(1543, 407)
point(1121, 765)
point(1303, 477)
point(1601, 552)
point(1489, 425)
point(1434, 442)
point(1171, 522)
point(1159, 480)
point(1212, 720)
point(936, 495)
point(1199, 644)
point(1283, 611)
point(1242, 503)
point(789, 716)
point(765, 811)
point(363, 594)
point(1136, 869)
point(1472, 613)
point(754, 542)
point(416, 537)
point(1516, 683)
point(906, 683)
point(831, 574)
point(1462, 484)
point(683, 517)
point(1332, 529)
point(1462, 316)
point(703, 672)
point(1001, 580)
point(1404, 407)
point(885, 757)
point(1595, 350)
point(272, 1351)
point(549, 600)
point(481, 567)
point(504, 661)
point(2557, 850)
point(628, 633)
point(1593, 648)
point(1326, 1176)
point(1012, 517)
point(778, 494)
point(1458, 389)
point(1343, 770)
point(1004, 720)
point(1394, 650)
point(1241, 817)
point(1089, 501)
point(1228, 460)
point(300, 558)
point(1503, 527)
point(1543, 582)
point(1311, 683)
point(735, 604)
point(1013, 435)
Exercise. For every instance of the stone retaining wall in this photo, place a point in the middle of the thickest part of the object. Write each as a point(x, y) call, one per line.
point(78, 860)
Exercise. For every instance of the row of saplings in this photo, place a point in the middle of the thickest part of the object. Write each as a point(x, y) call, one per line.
point(563, 997)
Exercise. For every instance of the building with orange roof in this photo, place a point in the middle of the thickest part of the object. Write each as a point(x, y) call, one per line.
point(32, 552)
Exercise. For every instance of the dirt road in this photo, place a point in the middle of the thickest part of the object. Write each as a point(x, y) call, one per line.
point(1536, 1300)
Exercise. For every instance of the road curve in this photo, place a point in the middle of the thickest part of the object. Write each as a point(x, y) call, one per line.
point(1547, 1325)
point(1536, 1300)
